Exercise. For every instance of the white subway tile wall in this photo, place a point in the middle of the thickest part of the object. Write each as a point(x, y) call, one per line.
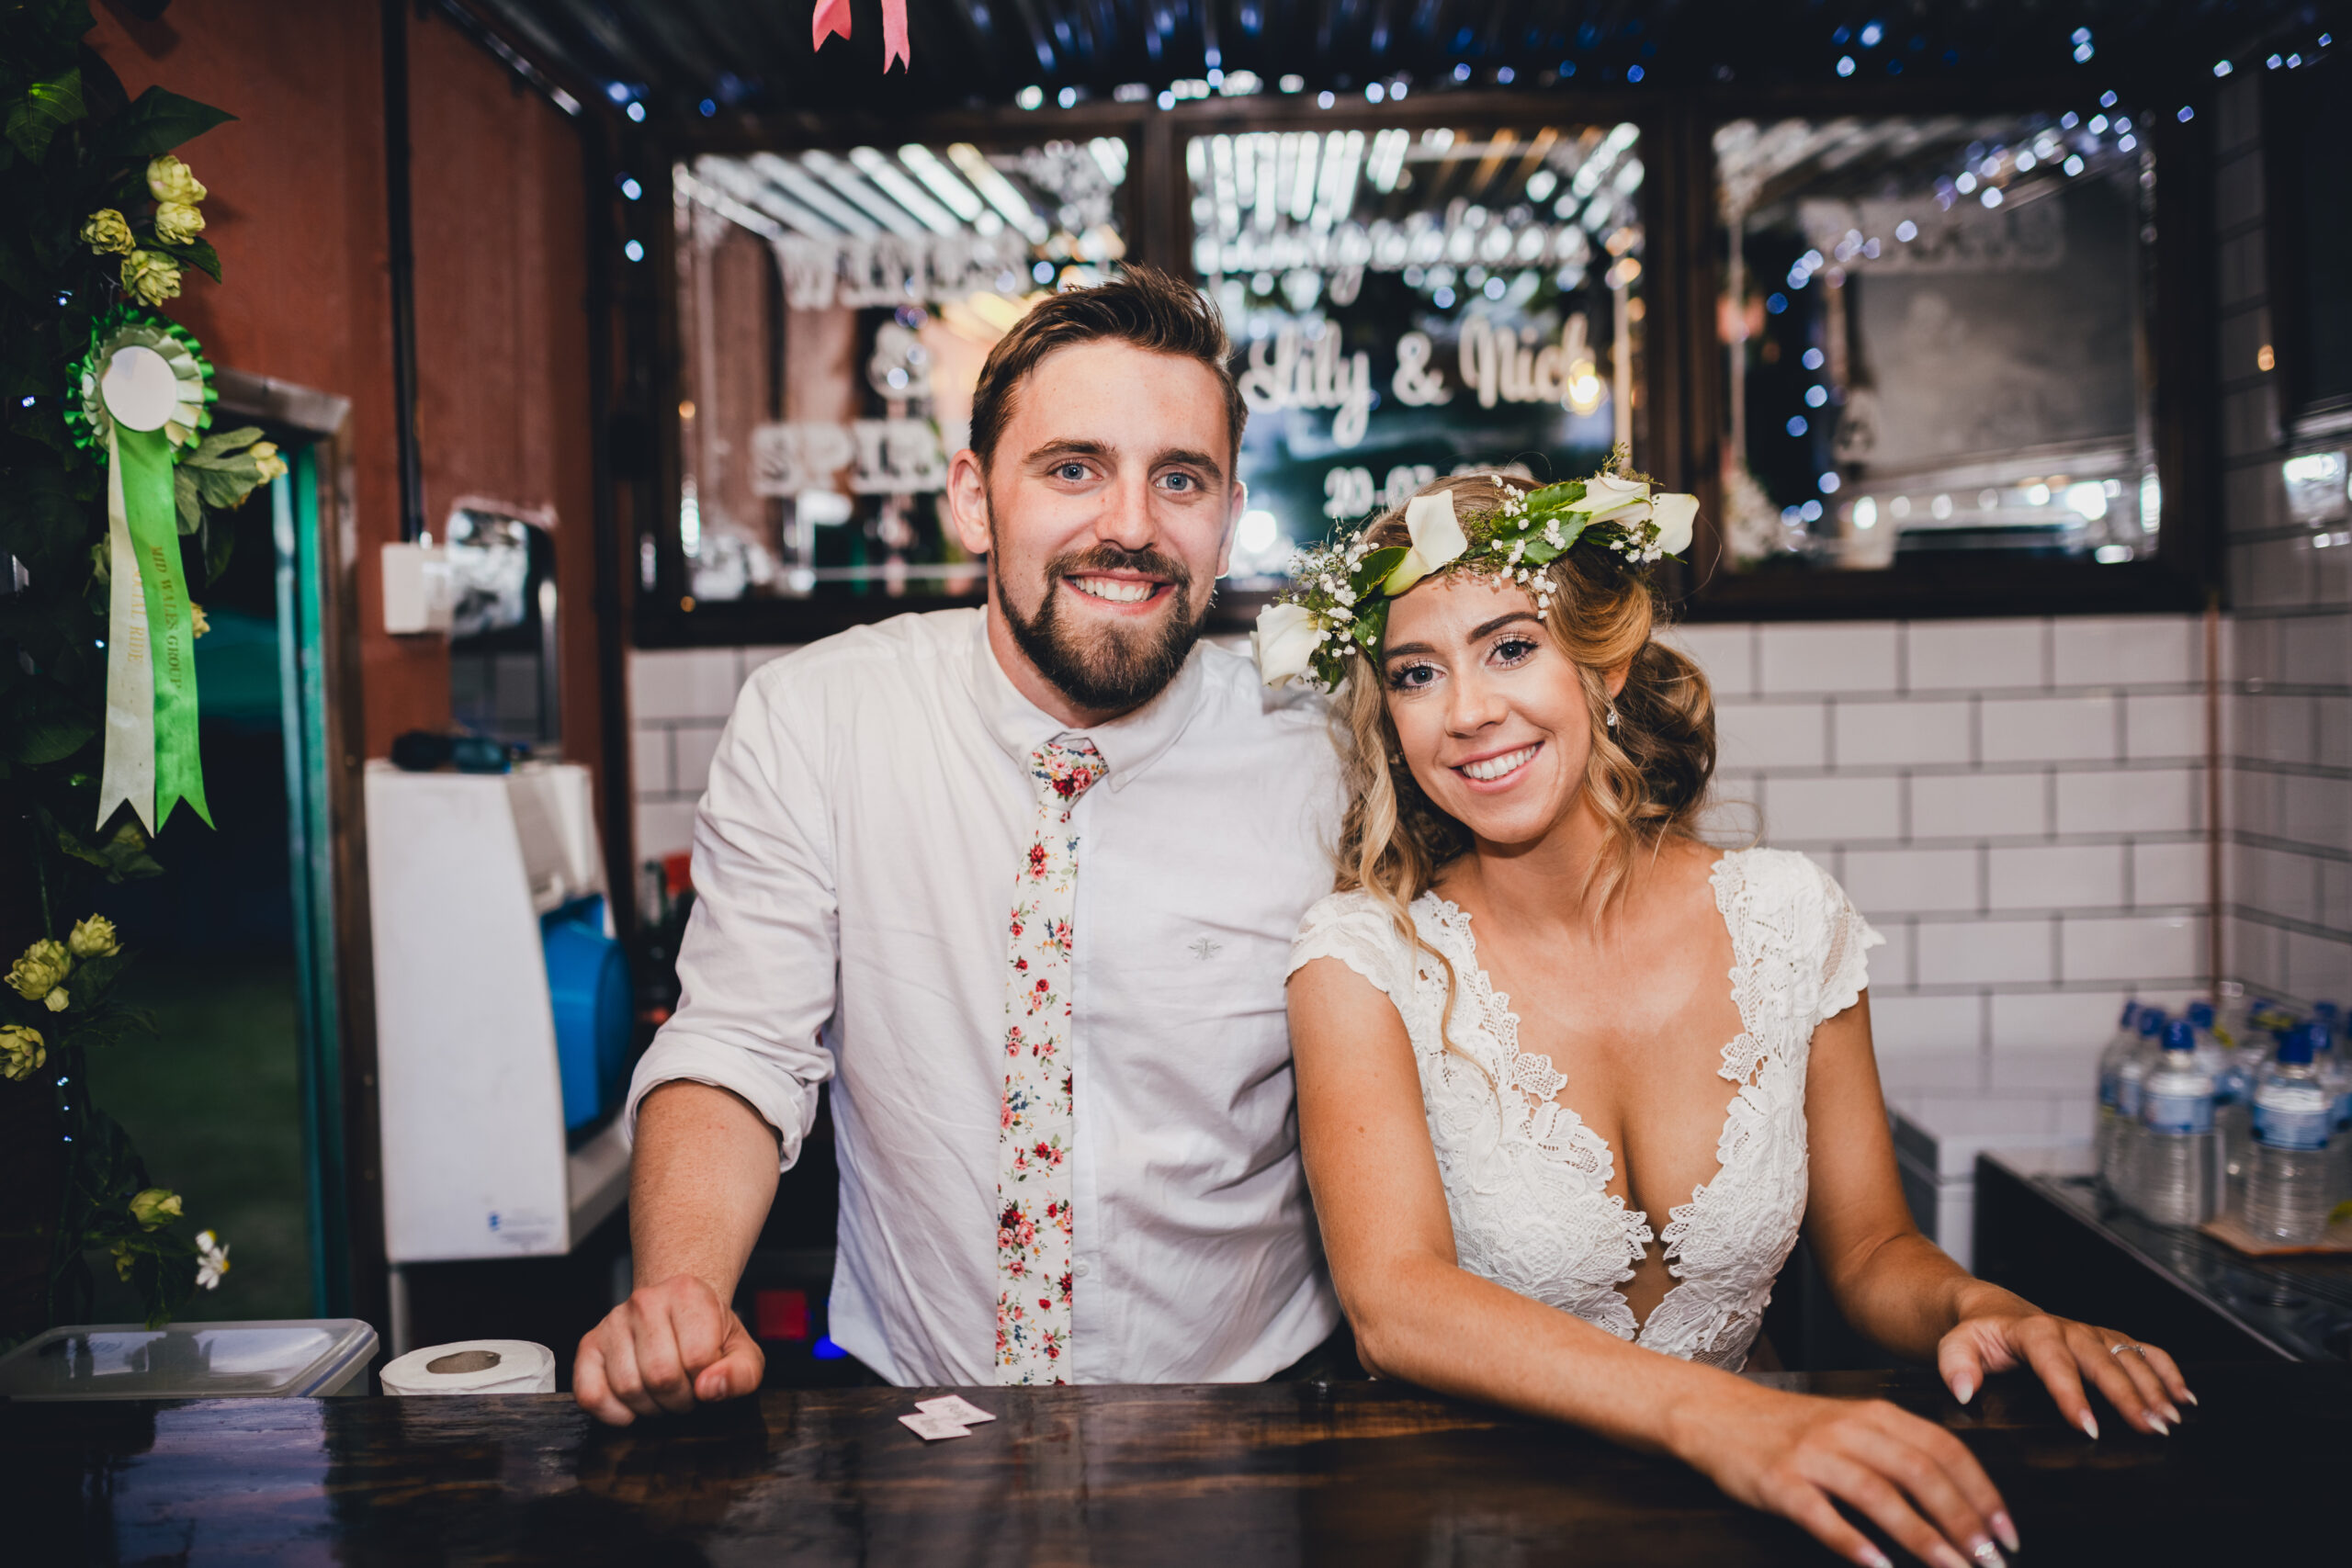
point(2287, 734)
point(2016, 805)
point(679, 700)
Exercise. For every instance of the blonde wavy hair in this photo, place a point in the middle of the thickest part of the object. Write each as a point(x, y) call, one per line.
point(1646, 777)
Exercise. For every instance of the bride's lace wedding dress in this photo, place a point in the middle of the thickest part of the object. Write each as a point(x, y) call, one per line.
point(1526, 1180)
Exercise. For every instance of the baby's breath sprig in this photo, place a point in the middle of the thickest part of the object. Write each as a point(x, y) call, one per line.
point(1336, 609)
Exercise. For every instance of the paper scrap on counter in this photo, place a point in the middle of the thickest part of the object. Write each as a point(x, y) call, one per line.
point(956, 1408)
point(932, 1429)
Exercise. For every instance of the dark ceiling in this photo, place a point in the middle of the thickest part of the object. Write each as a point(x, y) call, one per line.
point(687, 60)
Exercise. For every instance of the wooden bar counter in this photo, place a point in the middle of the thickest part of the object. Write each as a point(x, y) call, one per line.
point(1223, 1477)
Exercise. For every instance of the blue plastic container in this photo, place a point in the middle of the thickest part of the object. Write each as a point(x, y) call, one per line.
point(589, 988)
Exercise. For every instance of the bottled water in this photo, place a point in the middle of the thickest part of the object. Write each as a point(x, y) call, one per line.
point(2231, 1008)
point(2180, 1157)
point(2336, 1077)
point(2125, 1042)
point(2209, 1048)
point(2286, 1183)
point(2121, 1168)
point(2234, 1089)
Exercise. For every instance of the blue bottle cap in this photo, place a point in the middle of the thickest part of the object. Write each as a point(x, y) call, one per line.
point(2180, 1035)
point(2130, 1015)
point(2151, 1022)
point(2201, 1014)
point(2295, 1047)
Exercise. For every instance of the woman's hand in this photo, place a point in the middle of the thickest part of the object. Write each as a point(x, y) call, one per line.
point(1998, 1331)
point(1797, 1456)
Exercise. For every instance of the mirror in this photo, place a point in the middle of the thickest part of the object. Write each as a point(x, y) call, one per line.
point(1411, 303)
point(835, 308)
point(502, 664)
point(1936, 339)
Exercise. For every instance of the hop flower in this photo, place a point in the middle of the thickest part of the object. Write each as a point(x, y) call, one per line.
point(58, 1000)
point(198, 622)
point(211, 1260)
point(93, 938)
point(107, 233)
point(42, 970)
point(123, 1260)
point(177, 222)
point(155, 1208)
point(170, 180)
point(22, 1052)
point(151, 276)
point(267, 461)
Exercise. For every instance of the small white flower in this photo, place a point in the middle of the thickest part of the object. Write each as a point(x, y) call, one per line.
point(212, 1261)
point(1284, 642)
point(1436, 541)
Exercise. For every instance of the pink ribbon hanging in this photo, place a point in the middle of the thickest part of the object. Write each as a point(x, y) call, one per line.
point(833, 16)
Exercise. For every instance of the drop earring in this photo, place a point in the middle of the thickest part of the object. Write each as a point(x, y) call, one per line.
point(1612, 716)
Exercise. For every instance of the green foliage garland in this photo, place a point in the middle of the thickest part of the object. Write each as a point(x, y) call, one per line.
point(98, 214)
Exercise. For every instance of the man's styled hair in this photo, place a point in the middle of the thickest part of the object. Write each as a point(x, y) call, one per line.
point(1144, 307)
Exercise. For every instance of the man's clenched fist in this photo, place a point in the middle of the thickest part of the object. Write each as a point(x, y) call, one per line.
point(668, 1347)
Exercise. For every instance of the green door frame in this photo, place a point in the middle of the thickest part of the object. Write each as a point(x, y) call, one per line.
point(318, 689)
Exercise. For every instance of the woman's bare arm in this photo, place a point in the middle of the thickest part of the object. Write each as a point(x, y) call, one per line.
point(1900, 1289)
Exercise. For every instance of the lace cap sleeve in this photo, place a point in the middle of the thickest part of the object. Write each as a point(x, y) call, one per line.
point(1845, 971)
point(1357, 931)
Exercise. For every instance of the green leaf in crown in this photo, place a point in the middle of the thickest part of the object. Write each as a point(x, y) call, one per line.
point(1336, 604)
point(137, 399)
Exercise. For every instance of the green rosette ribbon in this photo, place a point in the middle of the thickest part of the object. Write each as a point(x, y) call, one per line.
point(137, 400)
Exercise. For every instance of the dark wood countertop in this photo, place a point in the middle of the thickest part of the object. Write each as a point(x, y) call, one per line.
point(1225, 1477)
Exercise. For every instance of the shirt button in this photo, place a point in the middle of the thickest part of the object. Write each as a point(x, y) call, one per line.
point(1082, 1271)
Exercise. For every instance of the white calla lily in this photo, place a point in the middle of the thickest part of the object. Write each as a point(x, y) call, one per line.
point(1674, 515)
point(1436, 541)
point(1284, 642)
point(1606, 495)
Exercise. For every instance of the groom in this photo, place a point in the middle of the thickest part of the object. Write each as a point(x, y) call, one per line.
point(1022, 882)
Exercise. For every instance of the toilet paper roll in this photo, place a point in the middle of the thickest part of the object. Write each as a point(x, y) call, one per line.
point(473, 1366)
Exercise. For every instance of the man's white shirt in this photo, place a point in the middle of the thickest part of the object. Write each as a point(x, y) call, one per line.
point(854, 864)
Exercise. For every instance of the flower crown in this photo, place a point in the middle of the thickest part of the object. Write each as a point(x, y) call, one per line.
point(1337, 602)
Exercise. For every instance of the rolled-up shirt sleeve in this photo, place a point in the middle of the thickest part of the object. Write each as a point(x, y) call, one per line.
point(759, 961)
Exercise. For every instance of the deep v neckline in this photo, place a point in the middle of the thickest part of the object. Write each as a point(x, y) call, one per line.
point(1740, 1064)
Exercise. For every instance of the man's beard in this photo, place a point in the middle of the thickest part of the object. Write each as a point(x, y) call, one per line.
point(1108, 668)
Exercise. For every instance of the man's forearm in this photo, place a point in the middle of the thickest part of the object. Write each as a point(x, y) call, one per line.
point(704, 1173)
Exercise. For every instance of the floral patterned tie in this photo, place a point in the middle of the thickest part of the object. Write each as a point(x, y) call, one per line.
point(1038, 1131)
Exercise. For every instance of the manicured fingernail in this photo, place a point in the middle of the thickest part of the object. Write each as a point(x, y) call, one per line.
point(2156, 1425)
point(2172, 1413)
point(1985, 1551)
point(2188, 1396)
point(1871, 1557)
point(2005, 1528)
point(1964, 1388)
point(2089, 1424)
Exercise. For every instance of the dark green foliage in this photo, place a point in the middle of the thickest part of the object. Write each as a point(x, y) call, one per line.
point(73, 143)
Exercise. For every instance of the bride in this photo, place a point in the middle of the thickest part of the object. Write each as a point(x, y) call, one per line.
point(1570, 1081)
